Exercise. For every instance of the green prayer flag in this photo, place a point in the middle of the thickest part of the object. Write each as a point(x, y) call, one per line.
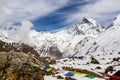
point(50, 69)
point(91, 76)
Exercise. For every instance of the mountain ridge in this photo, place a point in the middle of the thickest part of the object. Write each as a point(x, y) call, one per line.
point(78, 39)
point(67, 39)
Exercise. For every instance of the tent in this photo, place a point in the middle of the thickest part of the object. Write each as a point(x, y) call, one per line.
point(77, 57)
point(69, 74)
point(44, 68)
point(80, 57)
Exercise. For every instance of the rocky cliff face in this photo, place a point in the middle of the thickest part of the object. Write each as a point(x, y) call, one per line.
point(19, 47)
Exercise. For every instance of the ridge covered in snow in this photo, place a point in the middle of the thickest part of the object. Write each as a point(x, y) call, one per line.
point(109, 41)
point(116, 22)
point(66, 40)
point(86, 37)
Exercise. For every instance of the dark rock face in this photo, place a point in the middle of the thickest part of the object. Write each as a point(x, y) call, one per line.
point(98, 67)
point(54, 51)
point(51, 52)
point(59, 77)
point(94, 61)
point(117, 73)
point(116, 59)
point(109, 69)
point(19, 47)
point(85, 20)
point(69, 78)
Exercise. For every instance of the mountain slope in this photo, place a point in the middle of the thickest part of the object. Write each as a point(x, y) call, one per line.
point(66, 42)
point(84, 38)
point(109, 41)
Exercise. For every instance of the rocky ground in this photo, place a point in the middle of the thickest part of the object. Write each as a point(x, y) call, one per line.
point(18, 66)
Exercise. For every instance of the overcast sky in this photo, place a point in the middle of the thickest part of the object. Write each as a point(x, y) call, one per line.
point(51, 15)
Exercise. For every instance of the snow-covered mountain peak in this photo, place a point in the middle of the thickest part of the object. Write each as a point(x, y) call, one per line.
point(89, 21)
point(90, 27)
point(116, 22)
point(67, 41)
point(72, 30)
point(87, 26)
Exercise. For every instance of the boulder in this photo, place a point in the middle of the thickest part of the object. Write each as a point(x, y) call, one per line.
point(94, 61)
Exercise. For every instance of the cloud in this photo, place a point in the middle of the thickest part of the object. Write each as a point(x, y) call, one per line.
point(17, 33)
point(18, 10)
point(24, 11)
point(72, 11)
point(24, 30)
point(101, 10)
